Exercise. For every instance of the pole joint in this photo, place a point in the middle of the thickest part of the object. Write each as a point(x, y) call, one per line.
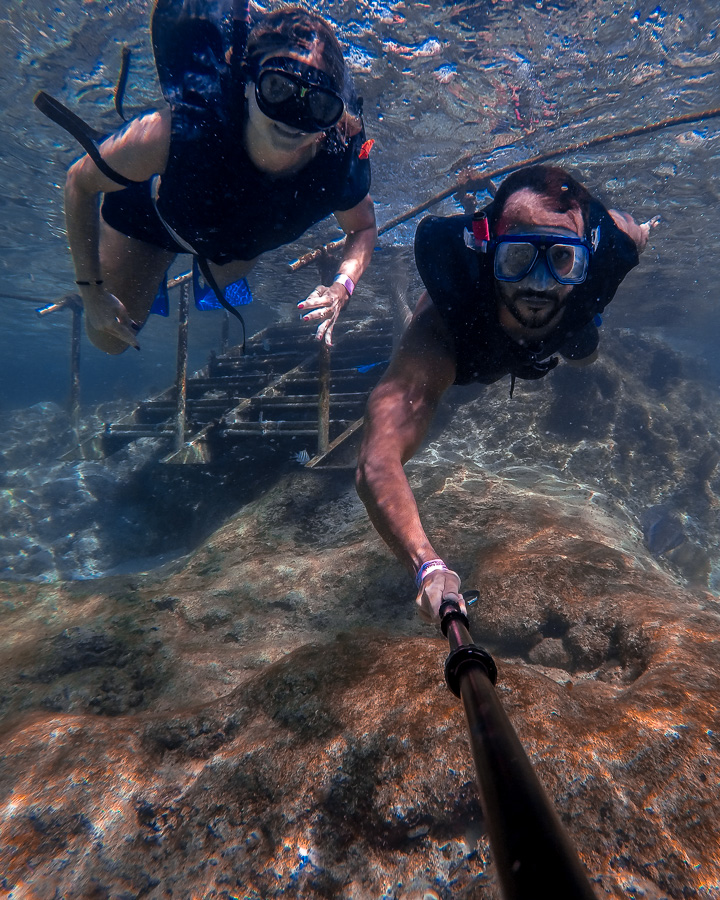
point(462, 657)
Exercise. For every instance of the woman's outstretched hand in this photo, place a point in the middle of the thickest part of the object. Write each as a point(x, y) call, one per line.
point(107, 315)
point(324, 305)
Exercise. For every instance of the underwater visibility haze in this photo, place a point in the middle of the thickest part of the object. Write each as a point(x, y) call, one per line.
point(213, 682)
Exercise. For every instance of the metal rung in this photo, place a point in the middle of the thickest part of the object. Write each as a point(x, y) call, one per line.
point(277, 428)
point(308, 400)
point(203, 385)
point(248, 432)
point(134, 432)
point(347, 345)
point(260, 362)
point(200, 404)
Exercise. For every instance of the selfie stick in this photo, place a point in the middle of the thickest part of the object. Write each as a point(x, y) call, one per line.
point(532, 853)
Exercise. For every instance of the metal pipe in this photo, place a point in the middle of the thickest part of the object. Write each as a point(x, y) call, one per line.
point(75, 344)
point(479, 179)
point(73, 302)
point(225, 333)
point(67, 300)
point(533, 854)
point(180, 279)
point(323, 398)
point(181, 375)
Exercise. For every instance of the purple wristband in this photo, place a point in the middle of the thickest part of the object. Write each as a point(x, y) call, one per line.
point(346, 282)
point(432, 565)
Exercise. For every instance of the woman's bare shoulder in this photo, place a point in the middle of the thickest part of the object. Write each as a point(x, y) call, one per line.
point(140, 149)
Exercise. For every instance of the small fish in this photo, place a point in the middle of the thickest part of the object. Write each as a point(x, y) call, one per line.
point(365, 149)
point(302, 457)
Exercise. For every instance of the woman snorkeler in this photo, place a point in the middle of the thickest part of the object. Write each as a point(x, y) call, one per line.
point(235, 166)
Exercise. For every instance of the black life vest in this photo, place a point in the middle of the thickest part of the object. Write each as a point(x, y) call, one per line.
point(198, 47)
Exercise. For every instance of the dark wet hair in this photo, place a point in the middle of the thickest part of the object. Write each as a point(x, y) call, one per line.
point(294, 27)
point(552, 182)
point(291, 27)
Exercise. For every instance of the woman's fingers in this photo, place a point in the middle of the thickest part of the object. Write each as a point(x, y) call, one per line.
point(107, 314)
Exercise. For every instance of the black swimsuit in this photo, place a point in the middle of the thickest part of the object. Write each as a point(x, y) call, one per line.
point(460, 282)
point(225, 208)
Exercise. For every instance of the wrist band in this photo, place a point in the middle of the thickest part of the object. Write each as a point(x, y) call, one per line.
point(88, 283)
point(346, 282)
point(432, 565)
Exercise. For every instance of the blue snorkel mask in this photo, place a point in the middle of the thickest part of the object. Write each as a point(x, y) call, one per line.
point(515, 255)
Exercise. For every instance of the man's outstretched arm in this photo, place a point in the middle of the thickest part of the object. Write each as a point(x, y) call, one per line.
point(398, 415)
point(638, 233)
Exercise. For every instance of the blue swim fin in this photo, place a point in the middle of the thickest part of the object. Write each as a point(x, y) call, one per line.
point(161, 303)
point(236, 294)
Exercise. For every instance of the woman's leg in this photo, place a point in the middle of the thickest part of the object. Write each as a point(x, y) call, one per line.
point(132, 271)
point(232, 271)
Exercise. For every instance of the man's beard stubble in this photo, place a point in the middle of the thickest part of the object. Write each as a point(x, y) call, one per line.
point(530, 318)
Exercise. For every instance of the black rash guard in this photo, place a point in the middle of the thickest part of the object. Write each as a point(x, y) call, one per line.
point(216, 200)
point(461, 284)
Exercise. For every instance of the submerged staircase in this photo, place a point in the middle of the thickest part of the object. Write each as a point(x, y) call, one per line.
point(286, 394)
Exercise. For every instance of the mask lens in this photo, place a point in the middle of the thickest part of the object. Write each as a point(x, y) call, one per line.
point(325, 107)
point(275, 87)
point(513, 260)
point(568, 262)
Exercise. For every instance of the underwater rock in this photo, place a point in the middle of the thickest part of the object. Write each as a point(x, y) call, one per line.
point(76, 520)
point(693, 561)
point(550, 652)
point(663, 530)
point(319, 753)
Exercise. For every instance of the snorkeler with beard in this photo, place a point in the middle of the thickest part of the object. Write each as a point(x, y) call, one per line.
point(524, 278)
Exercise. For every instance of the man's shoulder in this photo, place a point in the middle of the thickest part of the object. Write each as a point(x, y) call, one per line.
point(453, 273)
point(614, 256)
point(443, 260)
point(442, 231)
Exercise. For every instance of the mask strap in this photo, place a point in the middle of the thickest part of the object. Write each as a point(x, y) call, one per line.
point(81, 131)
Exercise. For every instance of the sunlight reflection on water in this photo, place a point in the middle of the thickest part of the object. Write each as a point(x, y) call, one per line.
point(508, 87)
point(445, 86)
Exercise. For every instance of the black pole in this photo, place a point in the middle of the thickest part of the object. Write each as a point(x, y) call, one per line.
point(532, 853)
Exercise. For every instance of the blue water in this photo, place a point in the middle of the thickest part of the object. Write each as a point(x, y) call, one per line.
point(446, 87)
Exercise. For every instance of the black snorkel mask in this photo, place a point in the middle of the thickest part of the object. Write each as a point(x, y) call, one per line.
point(298, 95)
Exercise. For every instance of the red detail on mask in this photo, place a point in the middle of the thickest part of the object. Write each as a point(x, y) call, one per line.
point(481, 230)
point(365, 149)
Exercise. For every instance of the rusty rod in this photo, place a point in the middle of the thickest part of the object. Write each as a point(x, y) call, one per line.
point(323, 398)
point(181, 375)
point(75, 343)
point(477, 179)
